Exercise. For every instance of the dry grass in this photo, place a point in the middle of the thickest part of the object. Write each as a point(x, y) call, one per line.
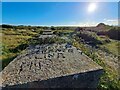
point(12, 39)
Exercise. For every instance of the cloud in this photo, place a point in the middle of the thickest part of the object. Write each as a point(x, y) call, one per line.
point(80, 24)
point(111, 21)
point(95, 23)
point(88, 24)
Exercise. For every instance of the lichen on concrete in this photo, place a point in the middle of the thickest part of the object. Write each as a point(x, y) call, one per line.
point(44, 62)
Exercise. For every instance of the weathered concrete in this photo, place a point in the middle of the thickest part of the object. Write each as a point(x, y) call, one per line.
point(79, 80)
point(47, 34)
point(52, 66)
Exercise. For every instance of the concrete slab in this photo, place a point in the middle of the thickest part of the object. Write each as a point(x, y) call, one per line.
point(42, 67)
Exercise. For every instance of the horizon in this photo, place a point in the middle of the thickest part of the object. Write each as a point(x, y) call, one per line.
point(83, 14)
point(55, 25)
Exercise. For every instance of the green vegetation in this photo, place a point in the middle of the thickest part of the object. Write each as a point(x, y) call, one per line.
point(112, 33)
point(111, 47)
point(48, 40)
point(16, 38)
point(13, 42)
point(89, 37)
point(101, 40)
point(110, 78)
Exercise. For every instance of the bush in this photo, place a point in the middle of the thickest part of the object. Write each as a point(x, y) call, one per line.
point(19, 48)
point(114, 33)
point(89, 37)
point(48, 40)
point(6, 61)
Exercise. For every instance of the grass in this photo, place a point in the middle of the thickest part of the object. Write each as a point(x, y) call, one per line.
point(111, 47)
point(13, 42)
point(16, 40)
point(110, 78)
point(7, 60)
point(67, 31)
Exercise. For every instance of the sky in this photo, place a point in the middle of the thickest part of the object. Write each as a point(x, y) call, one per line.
point(59, 13)
point(60, 0)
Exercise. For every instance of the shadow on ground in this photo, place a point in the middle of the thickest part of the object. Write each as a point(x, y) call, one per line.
point(80, 80)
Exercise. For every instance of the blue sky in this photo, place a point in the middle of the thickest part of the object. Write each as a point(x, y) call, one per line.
point(60, 0)
point(59, 13)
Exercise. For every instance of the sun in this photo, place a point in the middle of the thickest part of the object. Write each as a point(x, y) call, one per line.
point(92, 7)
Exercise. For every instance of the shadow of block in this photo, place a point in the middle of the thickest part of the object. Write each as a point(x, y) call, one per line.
point(81, 80)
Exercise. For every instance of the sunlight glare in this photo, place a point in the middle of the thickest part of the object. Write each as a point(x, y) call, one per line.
point(92, 7)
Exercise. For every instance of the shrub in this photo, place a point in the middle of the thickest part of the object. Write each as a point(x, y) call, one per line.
point(114, 33)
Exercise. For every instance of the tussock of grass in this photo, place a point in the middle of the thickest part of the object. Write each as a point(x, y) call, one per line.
point(110, 78)
point(13, 42)
point(111, 47)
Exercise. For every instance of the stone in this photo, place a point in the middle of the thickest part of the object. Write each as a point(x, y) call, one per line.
point(52, 69)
